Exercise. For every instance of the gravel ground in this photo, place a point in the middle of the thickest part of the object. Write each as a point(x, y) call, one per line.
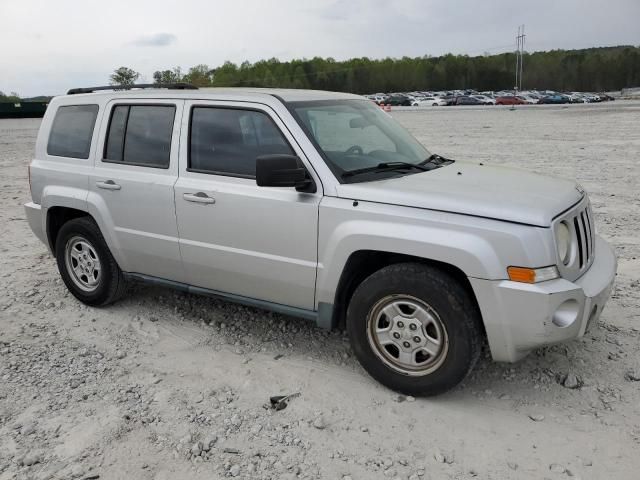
point(165, 385)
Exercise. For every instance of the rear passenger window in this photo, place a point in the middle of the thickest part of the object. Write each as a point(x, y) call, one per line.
point(72, 130)
point(140, 135)
point(227, 141)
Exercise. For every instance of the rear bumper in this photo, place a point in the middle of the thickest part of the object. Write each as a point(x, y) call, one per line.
point(35, 218)
point(520, 317)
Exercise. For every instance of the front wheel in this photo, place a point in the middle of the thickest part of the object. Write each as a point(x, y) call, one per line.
point(414, 328)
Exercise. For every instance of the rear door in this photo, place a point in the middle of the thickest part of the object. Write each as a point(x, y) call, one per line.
point(133, 180)
point(236, 237)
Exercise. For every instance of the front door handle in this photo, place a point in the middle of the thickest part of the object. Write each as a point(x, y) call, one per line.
point(199, 197)
point(108, 185)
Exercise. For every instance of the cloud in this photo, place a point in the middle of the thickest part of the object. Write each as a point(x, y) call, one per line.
point(155, 40)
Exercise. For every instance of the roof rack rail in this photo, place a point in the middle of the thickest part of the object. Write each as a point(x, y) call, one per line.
point(170, 86)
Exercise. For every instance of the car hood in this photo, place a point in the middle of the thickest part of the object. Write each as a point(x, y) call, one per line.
point(501, 193)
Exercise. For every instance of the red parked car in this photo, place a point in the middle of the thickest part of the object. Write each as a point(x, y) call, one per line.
point(510, 100)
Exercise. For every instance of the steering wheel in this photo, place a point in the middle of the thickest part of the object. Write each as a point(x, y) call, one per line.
point(354, 149)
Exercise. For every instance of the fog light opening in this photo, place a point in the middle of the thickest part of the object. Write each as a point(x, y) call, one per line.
point(566, 314)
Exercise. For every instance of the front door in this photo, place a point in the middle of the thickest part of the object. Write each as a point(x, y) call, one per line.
point(236, 237)
point(135, 170)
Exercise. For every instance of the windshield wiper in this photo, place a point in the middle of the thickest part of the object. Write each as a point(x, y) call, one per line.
point(385, 166)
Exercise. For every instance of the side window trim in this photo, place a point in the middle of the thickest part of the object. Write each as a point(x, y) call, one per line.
point(193, 106)
point(113, 107)
point(124, 133)
point(108, 133)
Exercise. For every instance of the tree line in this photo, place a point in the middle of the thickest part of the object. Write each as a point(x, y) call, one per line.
point(591, 70)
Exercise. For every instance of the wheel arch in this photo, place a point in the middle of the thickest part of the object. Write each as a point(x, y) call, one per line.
point(57, 216)
point(363, 263)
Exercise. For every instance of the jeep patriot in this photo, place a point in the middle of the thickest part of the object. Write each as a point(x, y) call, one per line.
point(317, 205)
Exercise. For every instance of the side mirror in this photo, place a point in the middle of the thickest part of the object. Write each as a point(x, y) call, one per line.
point(283, 171)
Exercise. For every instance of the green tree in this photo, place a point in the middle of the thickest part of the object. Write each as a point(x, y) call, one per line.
point(168, 76)
point(200, 76)
point(124, 76)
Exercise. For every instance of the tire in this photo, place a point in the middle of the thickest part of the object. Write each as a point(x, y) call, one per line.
point(97, 280)
point(451, 315)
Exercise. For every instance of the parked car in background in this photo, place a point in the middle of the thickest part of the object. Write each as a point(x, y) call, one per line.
point(449, 99)
point(531, 94)
point(605, 97)
point(466, 100)
point(430, 102)
point(577, 97)
point(509, 100)
point(377, 98)
point(486, 100)
point(397, 100)
point(527, 99)
point(554, 99)
point(501, 97)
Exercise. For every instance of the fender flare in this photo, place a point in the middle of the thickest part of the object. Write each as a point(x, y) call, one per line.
point(471, 253)
point(92, 204)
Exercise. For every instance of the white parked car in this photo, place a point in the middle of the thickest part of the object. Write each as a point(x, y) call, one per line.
point(430, 102)
point(376, 98)
point(317, 205)
point(577, 97)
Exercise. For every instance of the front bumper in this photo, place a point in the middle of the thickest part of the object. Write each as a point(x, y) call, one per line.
point(521, 317)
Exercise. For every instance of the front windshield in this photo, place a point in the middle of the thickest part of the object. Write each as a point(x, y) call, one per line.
point(357, 134)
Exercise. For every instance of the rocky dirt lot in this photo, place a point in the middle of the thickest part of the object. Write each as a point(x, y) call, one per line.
point(164, 385)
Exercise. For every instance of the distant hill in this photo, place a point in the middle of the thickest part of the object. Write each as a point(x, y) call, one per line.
point(41, 98)
point(13, 97)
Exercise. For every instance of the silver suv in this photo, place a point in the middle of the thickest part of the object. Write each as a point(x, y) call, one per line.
point(317, 205)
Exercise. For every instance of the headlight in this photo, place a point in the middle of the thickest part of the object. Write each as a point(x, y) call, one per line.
point(563, 240)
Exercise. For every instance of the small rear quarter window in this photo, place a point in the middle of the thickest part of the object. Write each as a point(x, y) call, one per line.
point(72, 130)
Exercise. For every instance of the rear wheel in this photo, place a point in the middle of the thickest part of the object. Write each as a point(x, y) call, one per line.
point(414, 328)
point(86, 265)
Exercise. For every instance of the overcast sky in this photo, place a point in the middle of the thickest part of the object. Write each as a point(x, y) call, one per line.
point(49, 46)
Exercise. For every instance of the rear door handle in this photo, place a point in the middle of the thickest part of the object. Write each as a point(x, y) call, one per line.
point(108, 185)
point(199, 197)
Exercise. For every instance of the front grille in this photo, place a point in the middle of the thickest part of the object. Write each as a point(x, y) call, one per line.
point(584, 233)
point(580, 222)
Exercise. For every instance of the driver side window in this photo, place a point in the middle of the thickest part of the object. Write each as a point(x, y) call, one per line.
point(329, 131)
point(226, 141)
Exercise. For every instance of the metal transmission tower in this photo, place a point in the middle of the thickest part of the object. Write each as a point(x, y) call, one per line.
point(519, 55)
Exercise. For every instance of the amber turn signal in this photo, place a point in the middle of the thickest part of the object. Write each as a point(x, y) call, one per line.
point(532, 275)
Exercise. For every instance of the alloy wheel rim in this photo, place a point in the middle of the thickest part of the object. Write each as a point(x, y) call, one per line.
point(83, 264)
point(407, 334)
